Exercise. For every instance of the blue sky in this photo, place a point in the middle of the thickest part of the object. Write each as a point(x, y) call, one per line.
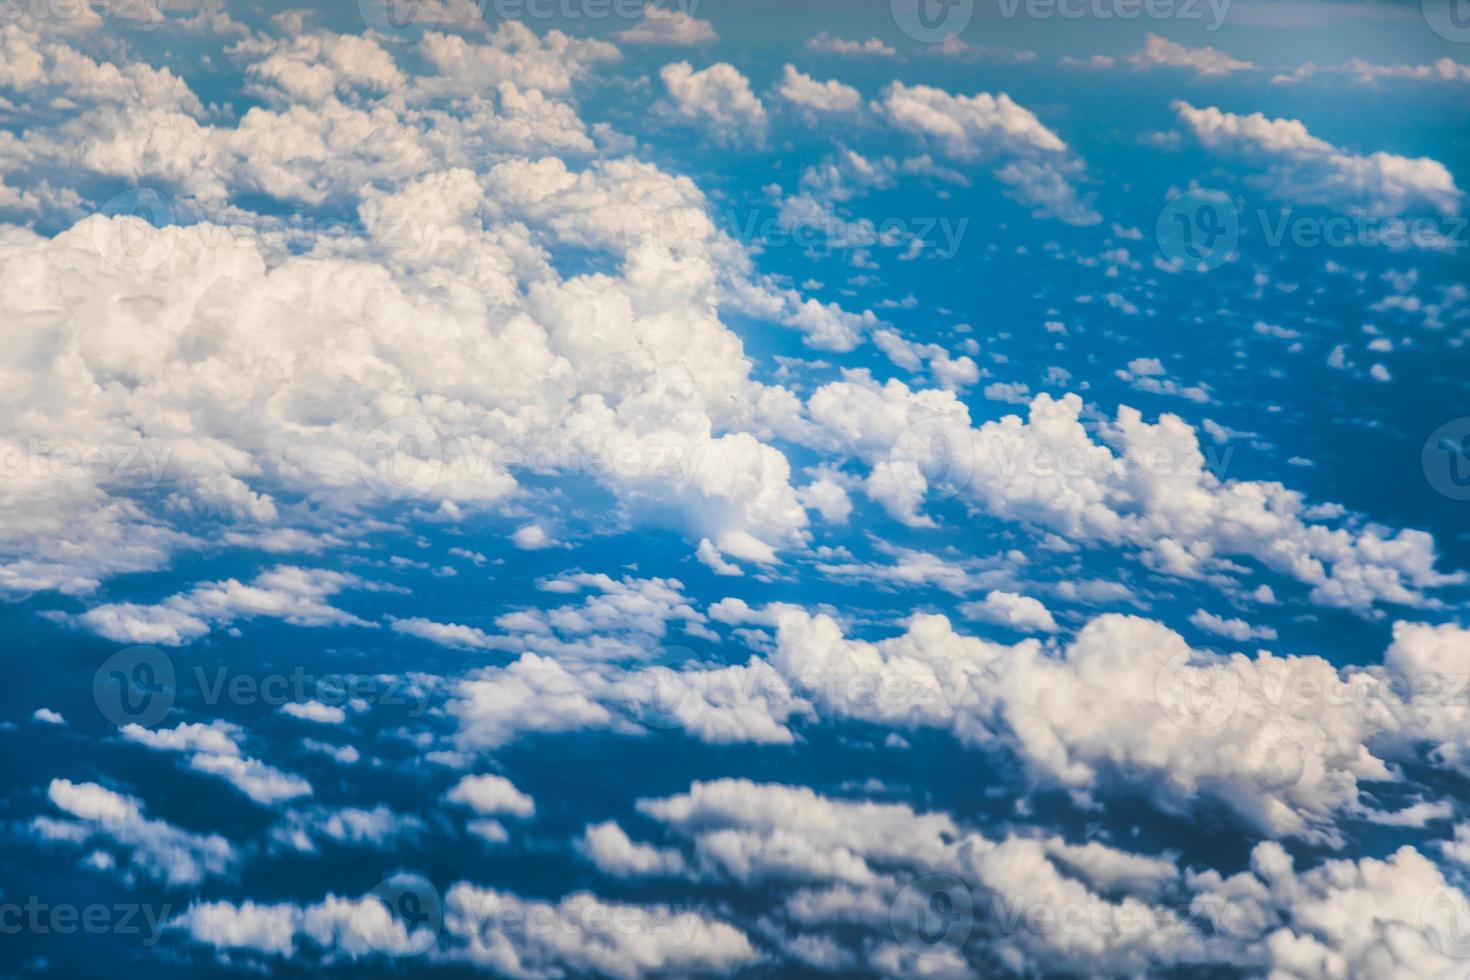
point(577, 488)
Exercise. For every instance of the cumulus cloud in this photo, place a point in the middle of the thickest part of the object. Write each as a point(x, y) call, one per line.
point(379, 827)
point(720, 705)
point(489, 929)
point(214, 750)
point(157, 848)
point(344, 125)
point(719, 99)
point(296, 595)
point(827, 44)
point(673, 27)
point(1307, 170)
point(491, 794)
point(1020, 612)
point(1179, 723)
point(1029, 158)
point(1207, 61)
point(1145, 485)
point(1368, 73)
point(808, 93)
point(1236, 629)
point(608, 847)
point(845, 865)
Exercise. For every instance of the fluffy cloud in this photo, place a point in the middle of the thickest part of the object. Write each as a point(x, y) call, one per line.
point(609, 847)
point(665, 392)
point(489, 929)
point(827, 44)
point(719, 99)
point(808, 93)
point(1179, 723)
point(1146, 485)
point(1366, 72)
point(296, 595)
point(491, 794)
point(1031, 159)
point(214, 749)
point(379, 827)
point(1020, 612)
point(1043, 904)
point(1308, 170)
point(1161, 52)
point(719, 705)
point(675, 27)
point(158, 848)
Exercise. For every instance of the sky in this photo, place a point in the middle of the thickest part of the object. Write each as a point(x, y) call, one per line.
point(595, 488)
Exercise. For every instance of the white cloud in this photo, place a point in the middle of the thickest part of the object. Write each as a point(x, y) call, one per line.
point(1207, 61)
point(1178, 723)
point(262, 783)
point(608, 847)
point(1146, 485)
point(379, 827)
point(491, 794)
point(1020, 612)
point(323, 714)
point(1148, 375)
point(808, 93)
point(1236, 629)
point(827, 44)
point(675, 27)
point(214, 749)
point(296, 595)
point(158, 848)
point(1368, 73)
point(531, 537)
point(448, 634)
point(718, 99)
point(1030, 159)
point(1308, 170)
